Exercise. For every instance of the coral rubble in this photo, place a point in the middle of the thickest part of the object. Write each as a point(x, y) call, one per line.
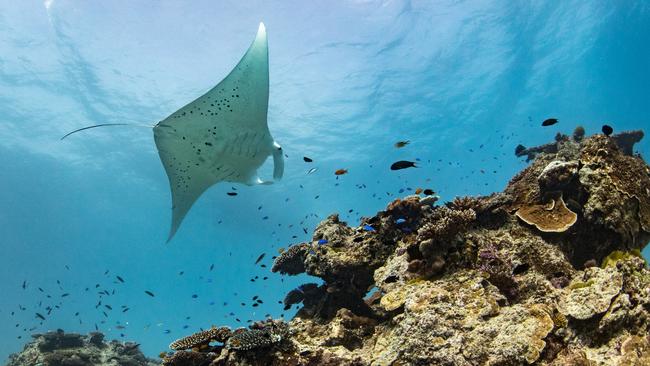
point(547, 272)
point(71, 349)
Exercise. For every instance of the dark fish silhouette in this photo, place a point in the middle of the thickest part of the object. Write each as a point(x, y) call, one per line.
point(402, 164)
point(306, 159)
point(40, 316)
point(428, 192)
point(549, 122)
point(260, 258)
point(401, 144)
point(232, 193)
point(607, 130)
point(149, 293)
point(120, 279)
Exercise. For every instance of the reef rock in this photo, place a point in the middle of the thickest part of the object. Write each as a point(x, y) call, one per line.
point(71, 349)
point(547, 272)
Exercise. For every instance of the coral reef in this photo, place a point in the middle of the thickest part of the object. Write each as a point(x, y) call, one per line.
point(507, 279)
point(72, 349)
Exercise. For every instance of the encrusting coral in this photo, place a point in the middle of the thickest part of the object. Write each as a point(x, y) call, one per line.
point(506, 279)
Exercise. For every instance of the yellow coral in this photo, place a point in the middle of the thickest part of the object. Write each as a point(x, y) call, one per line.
point(619, 255)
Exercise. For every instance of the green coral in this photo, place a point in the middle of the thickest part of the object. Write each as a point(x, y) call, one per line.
point(619, 255)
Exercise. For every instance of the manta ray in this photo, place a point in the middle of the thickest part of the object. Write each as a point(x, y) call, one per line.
point(222, 136)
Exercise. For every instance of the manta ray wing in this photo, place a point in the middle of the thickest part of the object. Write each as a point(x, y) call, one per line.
point(221, 136)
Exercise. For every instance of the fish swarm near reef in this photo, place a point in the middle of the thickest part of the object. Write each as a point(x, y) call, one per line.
point(506, 279)
point(547, 272)
point(73, 349)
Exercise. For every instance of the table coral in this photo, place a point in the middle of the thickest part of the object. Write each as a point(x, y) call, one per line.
point(202, 338)
point(552, 217)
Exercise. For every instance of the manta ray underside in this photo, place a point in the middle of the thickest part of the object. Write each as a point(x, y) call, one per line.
point(221, 136)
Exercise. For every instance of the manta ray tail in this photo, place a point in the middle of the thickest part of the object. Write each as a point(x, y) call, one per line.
point(104, 125)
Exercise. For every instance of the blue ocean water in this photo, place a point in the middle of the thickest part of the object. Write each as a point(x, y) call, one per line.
point(463, 81)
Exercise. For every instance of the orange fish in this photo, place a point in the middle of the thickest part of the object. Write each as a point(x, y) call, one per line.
point(418, 191)
point(341, 172)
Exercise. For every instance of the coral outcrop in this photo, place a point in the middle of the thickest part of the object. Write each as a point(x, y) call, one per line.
point(71, 349)
point(547, 272)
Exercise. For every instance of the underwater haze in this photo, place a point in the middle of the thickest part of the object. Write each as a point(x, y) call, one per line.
point(84, 221)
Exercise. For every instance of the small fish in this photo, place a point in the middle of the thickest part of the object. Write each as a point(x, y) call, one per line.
point(368, 228)
point(418, 191)
point(306, 159)
point(549, 122)
point(195, 296)
point(402, 164)
point(149, 293)
point(428, 192)
point(211, 267)
point(341, 172)
point(231, 193)
point(120, 279)
point(322, 241)
point(24, 285)
point(401, 144)
point(312, 170)
point(38, 315)
point(260, 258)
point(400, 221)
point(607, 130)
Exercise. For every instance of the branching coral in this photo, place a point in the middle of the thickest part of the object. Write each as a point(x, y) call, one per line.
point(445, 223)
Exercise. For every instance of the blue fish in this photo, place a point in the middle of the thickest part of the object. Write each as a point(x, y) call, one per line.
point(322, 241)
point(400, 221)
point(368, 228)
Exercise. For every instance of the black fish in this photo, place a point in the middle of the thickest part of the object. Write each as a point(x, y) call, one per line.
point(549, 122)
point(24, 285)
point(402, 164)
point(120, 279)
point(150, 293)
point(40, 316)
point(260, 258)
point(401, 144)
point(607, 130)
point(231, 193)
point(519, 149)
point(211, 267)
point(306, 159)
point(428, 192)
